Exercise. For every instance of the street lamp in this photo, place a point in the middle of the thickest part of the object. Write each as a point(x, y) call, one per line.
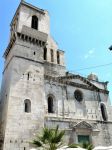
point(110, 48)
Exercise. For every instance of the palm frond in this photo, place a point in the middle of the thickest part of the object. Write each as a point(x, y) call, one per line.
point(57, 138)
point(37, 143)
point(90, 147)
point(50, 139)
point(87, 145)
point(73, 145)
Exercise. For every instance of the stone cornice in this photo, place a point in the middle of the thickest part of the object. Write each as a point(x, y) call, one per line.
point(24, 38)
point(64, 82)
point(33, 33)
point(33, 7)
point(104, 122)
point(10, 45)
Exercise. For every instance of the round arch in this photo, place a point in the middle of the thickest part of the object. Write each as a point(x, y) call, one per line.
point(34, 23)
point(51, 103)
point(103, 111)
point(27, 106)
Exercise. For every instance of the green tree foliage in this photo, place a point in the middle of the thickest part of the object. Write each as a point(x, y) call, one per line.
point(84, 145)
point(87, 146)
point(74, 145)
point(50, 139)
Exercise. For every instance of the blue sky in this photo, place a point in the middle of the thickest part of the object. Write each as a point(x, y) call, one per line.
point(82, 28)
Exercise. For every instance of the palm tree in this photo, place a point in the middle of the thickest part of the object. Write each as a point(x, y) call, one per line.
point(51, 139)
point(85, 145)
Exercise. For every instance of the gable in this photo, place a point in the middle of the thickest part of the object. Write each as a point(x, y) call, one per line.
point(98, 84)
point(77, 79)
point(83, 125)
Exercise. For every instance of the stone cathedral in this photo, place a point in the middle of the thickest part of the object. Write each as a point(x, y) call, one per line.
point(37, 90)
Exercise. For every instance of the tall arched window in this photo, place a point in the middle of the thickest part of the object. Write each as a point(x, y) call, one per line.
point(28, 76)
point(58, 57)
point(34, 24)
point(50, 104)
point(52, 56)
point(103, 112)
point(45, 53)
point(27, 106)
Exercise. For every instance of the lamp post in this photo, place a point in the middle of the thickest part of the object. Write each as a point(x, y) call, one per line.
point(110, 48)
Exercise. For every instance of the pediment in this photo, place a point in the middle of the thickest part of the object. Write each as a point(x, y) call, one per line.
point(83, 125)
point(77, 79)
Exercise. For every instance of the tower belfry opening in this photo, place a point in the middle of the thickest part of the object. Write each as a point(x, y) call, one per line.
point(34, 22)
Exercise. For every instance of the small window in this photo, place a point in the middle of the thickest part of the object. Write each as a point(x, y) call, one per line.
point(58, 57)
point(45, 53)
point(28, 76)
point(34, 24)
point(78, 95)
point(52, 56)
point(50, 104)
point(103, 112)
point(27, 106)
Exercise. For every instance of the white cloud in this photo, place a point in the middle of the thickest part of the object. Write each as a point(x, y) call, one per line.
point(89, 54)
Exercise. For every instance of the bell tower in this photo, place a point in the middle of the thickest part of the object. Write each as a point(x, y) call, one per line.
point(30, 54)
point(22, 92)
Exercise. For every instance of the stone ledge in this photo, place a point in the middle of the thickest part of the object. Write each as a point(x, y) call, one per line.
point(34, 33)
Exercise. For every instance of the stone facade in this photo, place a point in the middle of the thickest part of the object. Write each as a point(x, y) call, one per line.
point(37, 91)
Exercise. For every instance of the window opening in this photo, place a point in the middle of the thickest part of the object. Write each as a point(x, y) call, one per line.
point(40, 43)
point(28, 76)
point(52, 56)
point(27, 106)
point(26, 38)
point(103, 112)
point(34, 22)
point(83, 139)
point(58, 57)
point(50, 105)
point(45, 53)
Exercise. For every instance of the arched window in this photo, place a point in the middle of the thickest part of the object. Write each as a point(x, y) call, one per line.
point(50, 104)
point(28, 76)
point(103, 112)
point(52, 56)
point(34, 24)
point(45, 53)
point(27, 106)
point(58, 57)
